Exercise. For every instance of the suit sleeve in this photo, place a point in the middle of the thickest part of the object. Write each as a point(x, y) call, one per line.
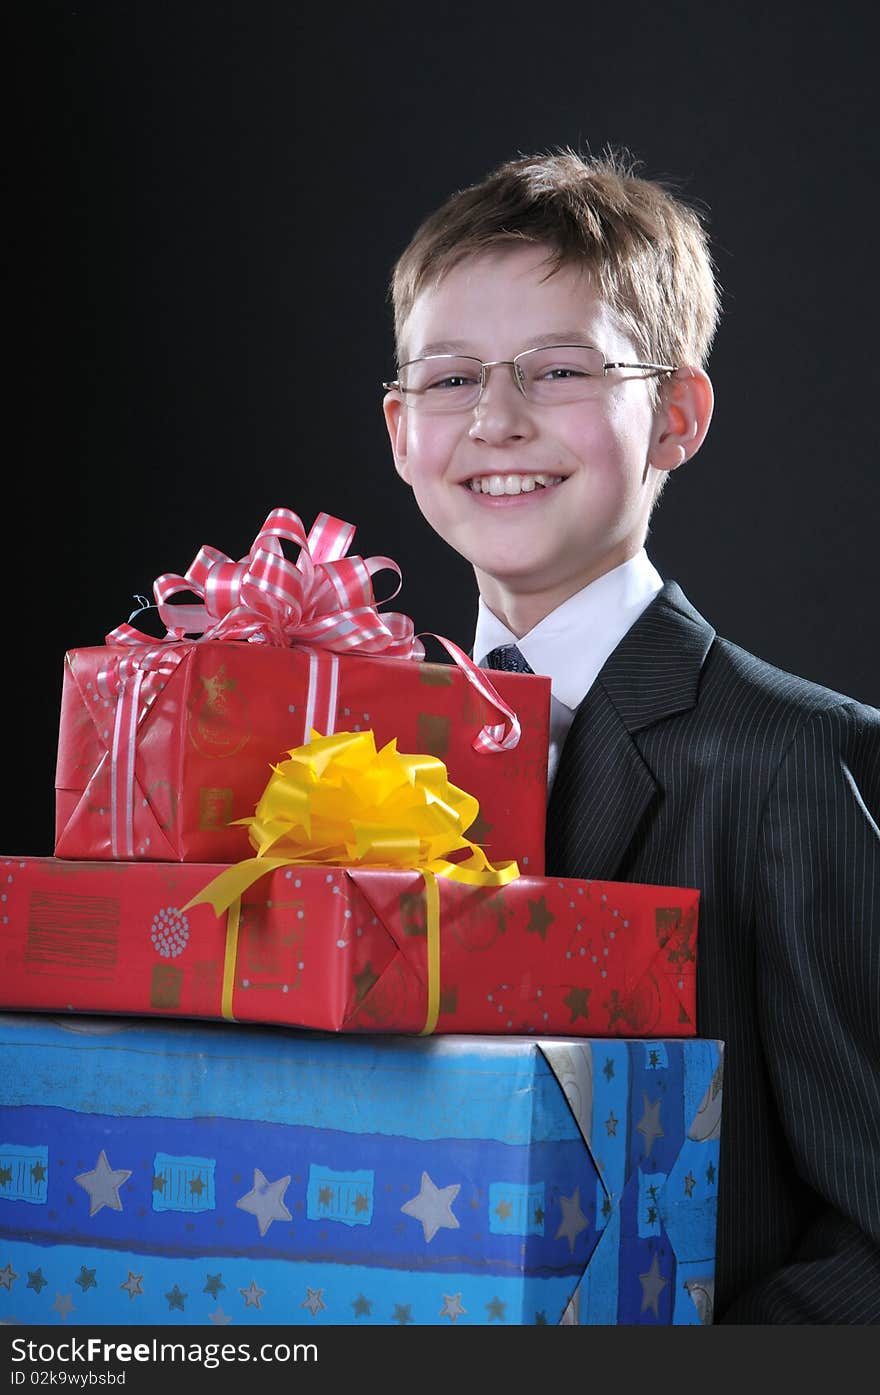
point(818, 986)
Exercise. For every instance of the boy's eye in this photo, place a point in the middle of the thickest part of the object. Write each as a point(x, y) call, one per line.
point(553, 375)
point(453, 380)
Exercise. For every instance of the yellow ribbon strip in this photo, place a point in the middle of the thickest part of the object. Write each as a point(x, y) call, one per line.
point(231, 954)
point(432, 929)
point(339, 801)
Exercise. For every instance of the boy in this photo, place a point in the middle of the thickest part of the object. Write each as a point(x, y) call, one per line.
point(553, 323)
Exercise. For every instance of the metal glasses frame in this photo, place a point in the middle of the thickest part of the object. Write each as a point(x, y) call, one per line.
point(395, 386)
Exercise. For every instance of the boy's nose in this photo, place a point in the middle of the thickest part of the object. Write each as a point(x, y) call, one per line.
point(502, 410)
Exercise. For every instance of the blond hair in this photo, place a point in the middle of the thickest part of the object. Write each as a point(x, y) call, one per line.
point(645, 249)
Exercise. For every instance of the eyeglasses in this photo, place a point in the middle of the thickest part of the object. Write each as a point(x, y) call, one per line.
point(548, 376)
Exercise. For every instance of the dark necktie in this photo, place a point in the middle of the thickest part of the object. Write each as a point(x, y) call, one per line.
point(508, 658)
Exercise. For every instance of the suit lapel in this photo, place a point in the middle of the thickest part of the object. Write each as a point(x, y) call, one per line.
point(603, 788)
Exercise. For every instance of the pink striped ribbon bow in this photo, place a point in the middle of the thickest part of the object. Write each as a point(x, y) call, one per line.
point(324, 602)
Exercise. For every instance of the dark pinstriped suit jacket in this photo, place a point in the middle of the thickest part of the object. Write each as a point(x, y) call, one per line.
point(692, 763)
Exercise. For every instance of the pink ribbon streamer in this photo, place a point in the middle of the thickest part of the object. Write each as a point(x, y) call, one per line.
point(324, 602)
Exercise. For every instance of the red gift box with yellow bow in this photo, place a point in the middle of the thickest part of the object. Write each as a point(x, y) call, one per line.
point(165, 743)
point(366, 908)
point(345, 949)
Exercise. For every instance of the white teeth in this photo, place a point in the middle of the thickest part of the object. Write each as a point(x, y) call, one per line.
point(512, 484)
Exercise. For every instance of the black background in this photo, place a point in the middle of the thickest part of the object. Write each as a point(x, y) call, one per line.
point(208, 201)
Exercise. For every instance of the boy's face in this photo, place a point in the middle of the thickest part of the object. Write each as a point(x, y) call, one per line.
point(543, 543)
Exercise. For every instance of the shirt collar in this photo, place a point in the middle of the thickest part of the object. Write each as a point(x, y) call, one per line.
point(599, 616)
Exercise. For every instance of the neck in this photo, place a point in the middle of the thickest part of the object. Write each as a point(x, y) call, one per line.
point(521, 609)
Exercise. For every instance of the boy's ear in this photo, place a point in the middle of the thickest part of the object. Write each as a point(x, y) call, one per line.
point(682, 419)
point(395, 419)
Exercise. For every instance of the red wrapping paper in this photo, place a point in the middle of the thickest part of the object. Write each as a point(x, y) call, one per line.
point(207, 731)
point(344, 950)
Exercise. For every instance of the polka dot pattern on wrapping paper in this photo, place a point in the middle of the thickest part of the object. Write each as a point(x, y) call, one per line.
point(169, 932)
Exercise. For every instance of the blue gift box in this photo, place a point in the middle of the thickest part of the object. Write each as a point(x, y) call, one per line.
point(168, 1172)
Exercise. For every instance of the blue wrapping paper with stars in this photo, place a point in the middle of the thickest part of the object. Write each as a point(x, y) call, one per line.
point(164, 1172)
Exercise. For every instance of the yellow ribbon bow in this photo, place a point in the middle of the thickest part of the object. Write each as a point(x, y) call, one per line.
point(339, 801)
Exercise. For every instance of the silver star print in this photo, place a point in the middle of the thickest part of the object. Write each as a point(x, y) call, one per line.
point(252, 1295)
point(649, 1124)
point(452, 1307)
point(265, 1200)
point(134, 1283)
point(219, 1318)
point(573, 1219)
point(653, 1285)
point(433, 1207)
point(102, 1184)
point(63, 1304)
point(314, 1300)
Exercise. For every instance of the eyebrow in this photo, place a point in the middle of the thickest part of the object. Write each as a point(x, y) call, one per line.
point(460, 346)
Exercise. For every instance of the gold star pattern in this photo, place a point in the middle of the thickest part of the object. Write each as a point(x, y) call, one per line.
point(364, 981)
point(86, 1278)
point(577, 1000)
point(615, 1012)
point(608, 1069)
point(540, 918)
point(689, 1183)
point(5, 1176)
point(8, 1277)
point(649, 1124)
point(362, 1306)
point(611, 1125)
point(159, 1182)
point(449, 1000)
point(539, 1215)
point(36, 1280)
point(403, 1313)
point(216, 686)
point(325, 1196)
point(197, 1186)
point(213, 1284)
point(38, 1172)
point(710, 1173)
point(653, 1284)
point(573, 1219)
point(176, 1299)
point(503, 1210)
point(495, 1309)
point(479, 830)
point(361, 1203)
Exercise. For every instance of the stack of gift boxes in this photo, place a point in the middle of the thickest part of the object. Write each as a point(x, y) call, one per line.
point(366, 1078)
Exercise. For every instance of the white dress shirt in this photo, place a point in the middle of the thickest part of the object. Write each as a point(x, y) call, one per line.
point(596, 618)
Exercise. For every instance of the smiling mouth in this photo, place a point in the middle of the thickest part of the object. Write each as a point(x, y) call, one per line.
point(511, 484)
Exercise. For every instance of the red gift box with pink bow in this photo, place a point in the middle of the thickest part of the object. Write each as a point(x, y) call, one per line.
point(163, 743)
